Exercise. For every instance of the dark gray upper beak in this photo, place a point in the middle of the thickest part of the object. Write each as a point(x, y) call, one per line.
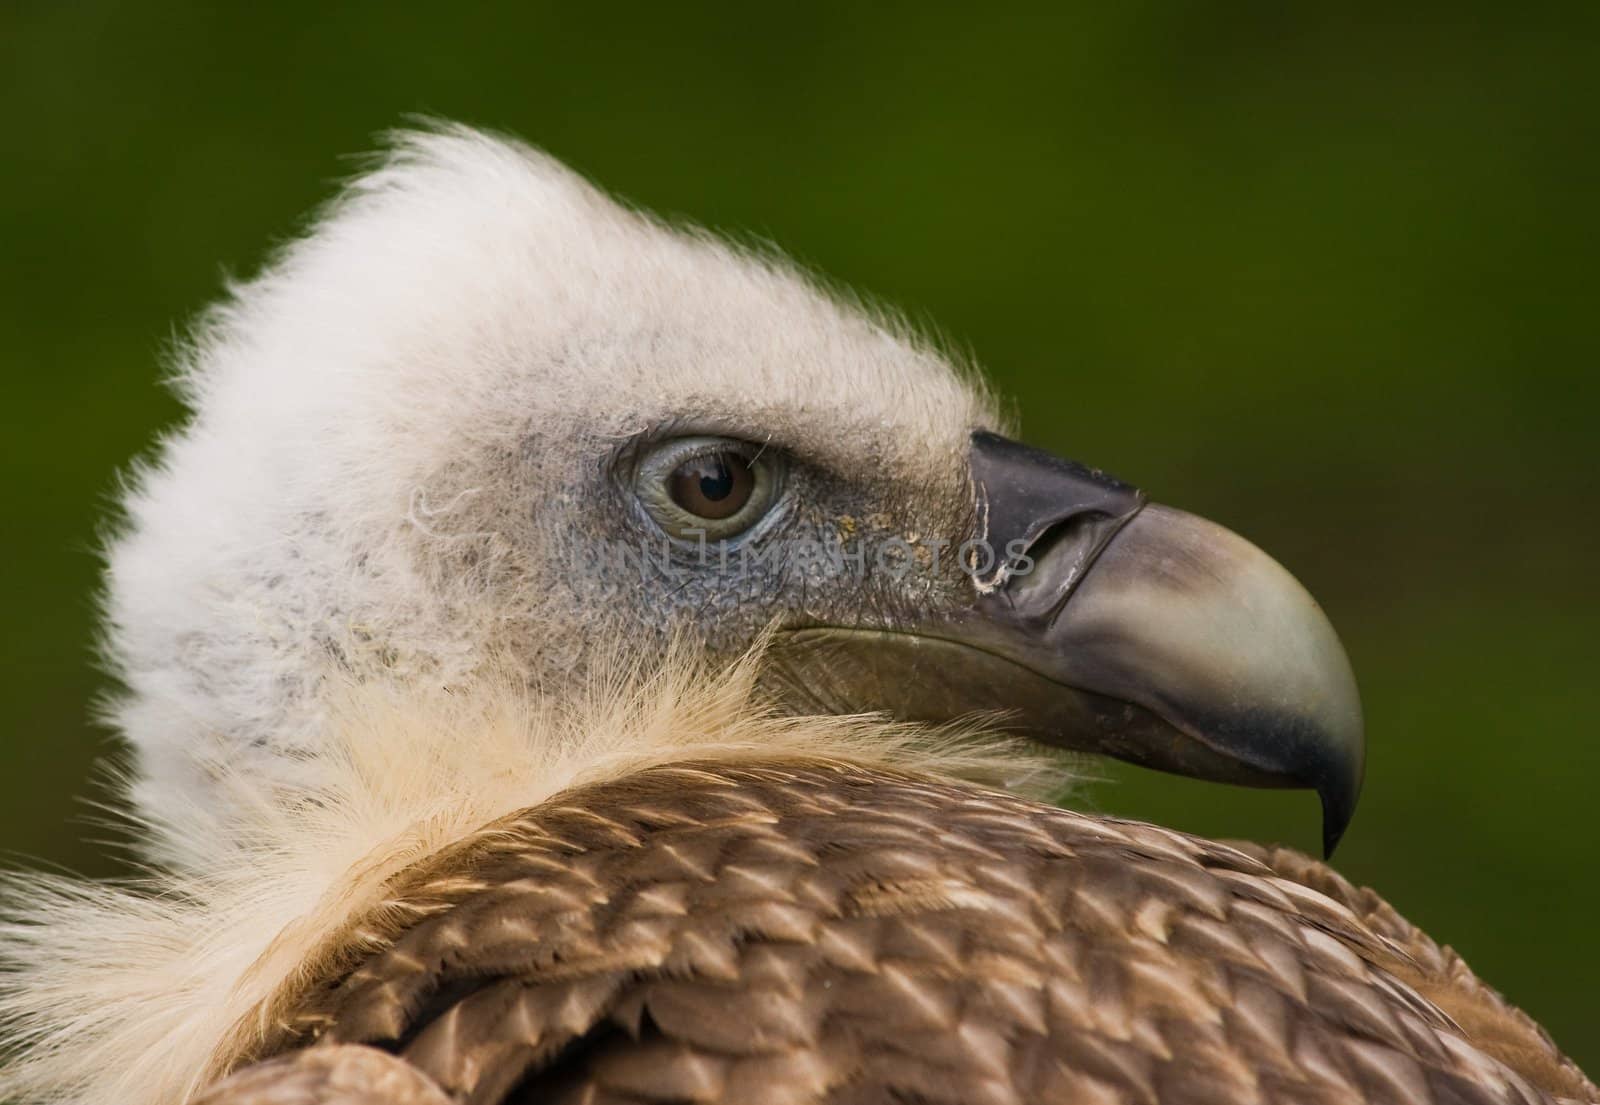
point(1107, 624)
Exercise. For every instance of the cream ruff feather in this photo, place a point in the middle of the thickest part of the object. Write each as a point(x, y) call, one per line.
point(124, 993)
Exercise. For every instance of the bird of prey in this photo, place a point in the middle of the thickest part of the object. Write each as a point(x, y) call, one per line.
point(568, 657)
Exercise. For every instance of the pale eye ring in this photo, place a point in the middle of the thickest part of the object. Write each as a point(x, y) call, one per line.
point(718, 487)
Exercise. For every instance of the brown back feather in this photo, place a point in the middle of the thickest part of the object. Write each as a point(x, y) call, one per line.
point(1495, 1025)
point(819, 933)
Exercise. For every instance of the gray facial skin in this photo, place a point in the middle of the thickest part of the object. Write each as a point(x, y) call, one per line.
point(1043, 593)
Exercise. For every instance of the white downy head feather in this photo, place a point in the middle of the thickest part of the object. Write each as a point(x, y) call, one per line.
point(378, 415)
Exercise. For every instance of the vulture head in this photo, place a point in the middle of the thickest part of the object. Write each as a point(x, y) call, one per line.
point(485, 415)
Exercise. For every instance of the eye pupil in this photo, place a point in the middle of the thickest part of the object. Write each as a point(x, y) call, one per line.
point(714, 486)
point(718, 485)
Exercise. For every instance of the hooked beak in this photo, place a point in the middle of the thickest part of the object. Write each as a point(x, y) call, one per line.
point(1107, 624)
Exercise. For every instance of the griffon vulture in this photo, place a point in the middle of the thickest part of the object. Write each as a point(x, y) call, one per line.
point(569, 658)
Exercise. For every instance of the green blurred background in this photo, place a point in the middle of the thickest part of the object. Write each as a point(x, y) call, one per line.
point(1324, 275)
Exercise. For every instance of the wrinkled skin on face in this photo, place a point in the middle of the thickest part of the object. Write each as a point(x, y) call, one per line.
point(836, 547)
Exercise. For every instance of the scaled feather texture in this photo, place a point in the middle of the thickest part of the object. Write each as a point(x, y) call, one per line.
point(124, 993)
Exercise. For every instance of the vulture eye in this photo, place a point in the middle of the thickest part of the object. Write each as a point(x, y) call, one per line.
point(709, 485)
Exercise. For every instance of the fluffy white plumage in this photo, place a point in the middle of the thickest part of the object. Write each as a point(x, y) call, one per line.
point(382, 426)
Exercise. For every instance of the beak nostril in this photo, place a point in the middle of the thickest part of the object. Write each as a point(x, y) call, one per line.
point(1034, 503)
point(1075, 542)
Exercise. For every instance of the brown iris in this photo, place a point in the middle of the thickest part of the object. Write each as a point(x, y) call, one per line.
point(702, 489)
point(714, 486)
